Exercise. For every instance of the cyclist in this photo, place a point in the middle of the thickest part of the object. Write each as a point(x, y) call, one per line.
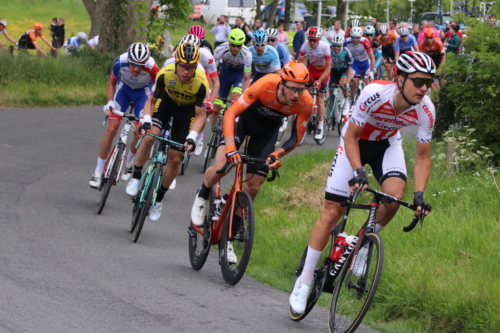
point(131, 79)
point(364, 60)
point(371, 136)
point(200, 32)
point(354, 24)
point(387, 39)
point(236, 68)
point(3, 24)
point(179, 93)
point(28, 40)
point(433, 47)
point(341, 72)
point(376, 47)
point(272, 39)
point(260, 111)
point(406, 42)
point(74, 43)
point(320, 64)
point(265, 58)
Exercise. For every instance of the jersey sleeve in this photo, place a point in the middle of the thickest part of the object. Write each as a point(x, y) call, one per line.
point(115, 72)
point(426, 125)
point(219, 51)
point(159, 86)
point(200, 95)
point(276, 58)
point(32, 37)
point(413, 40)
point(244, 102)
point(440, 47)
point(396, 44)
point(367, 45)
point(247, 59)
point(362, 111)
point(303, 49)
point(348, 59)
point(326, 52)
point(153, 72)
point(211, 67)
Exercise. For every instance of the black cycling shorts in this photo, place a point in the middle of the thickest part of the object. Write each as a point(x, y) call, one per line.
point(182, 118)
point(335, 76)
point(25, 43)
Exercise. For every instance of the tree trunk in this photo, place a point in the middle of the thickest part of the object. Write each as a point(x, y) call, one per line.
point(341, 12)
point(258, 11)
point(288, 13)
point(272, 14)
point(94, 9)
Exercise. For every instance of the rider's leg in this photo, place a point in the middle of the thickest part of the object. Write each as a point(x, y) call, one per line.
point(106, 142)
point(144, 150)
point(169, 172)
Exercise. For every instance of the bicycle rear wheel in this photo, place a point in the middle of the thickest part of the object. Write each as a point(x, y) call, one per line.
point(326, 130)
point(354, 289)
point(199, 245)
point(150, 188)
point(242, 239)
point(113, 176)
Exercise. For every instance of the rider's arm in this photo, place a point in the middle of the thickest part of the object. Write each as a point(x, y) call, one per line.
point(302, 53)
point(298, 129)
point(351, 145)
point(326, 71)
point(9, 38)
point(422, 167)
point(111, 89)
point(200, 110)
point(414, 44)
point(158, 89)
point(47, 42)
point(215, 87)
point(246, 80)
point(372, 61)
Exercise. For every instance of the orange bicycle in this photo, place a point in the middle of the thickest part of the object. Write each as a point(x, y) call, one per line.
point(229, 222)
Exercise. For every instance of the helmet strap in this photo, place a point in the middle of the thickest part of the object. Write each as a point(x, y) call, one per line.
point(402, 93)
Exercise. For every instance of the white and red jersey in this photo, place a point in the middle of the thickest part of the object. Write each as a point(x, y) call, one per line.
point(318, 56)
point(122, 72)
point(375, 112)
point(359, 51)
point(207, 62)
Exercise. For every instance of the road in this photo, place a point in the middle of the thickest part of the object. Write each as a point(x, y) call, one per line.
point(66, 269)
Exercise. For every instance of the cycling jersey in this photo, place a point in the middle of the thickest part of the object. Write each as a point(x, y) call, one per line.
point(388, 46)
point(402, 47)
point(73, 42)
point(435, 50)
point(207, 62)
point(241, 61)
point(359, 51)
point(377, 53)
point(206, 45)
point(182, 94)
point(122, 72)
point(318, 56)
point(283, 53)
point(348, 32)
point(341, 61)
point(268, 62)
point(28, 40)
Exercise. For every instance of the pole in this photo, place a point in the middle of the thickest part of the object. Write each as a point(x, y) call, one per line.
point(166, 46)
point(320, 10)
point(451, 7)
point(388, 4)
point(346, 11)
point(411, 11)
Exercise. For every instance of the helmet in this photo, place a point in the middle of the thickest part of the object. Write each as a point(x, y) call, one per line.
point(295, 71)
point(259, 36)
point(356, 32)
point(81, 35)
point(190, 38)
point(188, 53)
point(3, 22)
point(272, 33)
point(38, 26)
point(383, 29)
point(411, 62)
point(429, 33)
point(138, 53)
point(354, 23)
point(338, 40)
point(314, 32)
point(236, 37)
point(403, 31)
point(198, 31)
point(369, 31)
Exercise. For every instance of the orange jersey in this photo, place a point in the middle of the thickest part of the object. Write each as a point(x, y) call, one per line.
point(33, 36)
point(433, 50)
point(348, 32)
point(392, 38)
point(261, 98)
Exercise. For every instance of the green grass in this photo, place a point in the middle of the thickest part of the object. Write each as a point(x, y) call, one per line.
point(442, 278)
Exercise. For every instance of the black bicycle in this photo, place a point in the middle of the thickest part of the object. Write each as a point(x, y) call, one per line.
point(215, 135)
point(353, 278)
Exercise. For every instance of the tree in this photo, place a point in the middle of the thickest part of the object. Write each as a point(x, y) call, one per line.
point(94, 9)
point(272, 13)
point(288, 11)
point(341, 11)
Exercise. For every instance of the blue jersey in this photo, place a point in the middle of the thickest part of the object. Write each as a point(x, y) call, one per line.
point(283, 53)
point(402, 47)
point(268, 62)
point(377, 53)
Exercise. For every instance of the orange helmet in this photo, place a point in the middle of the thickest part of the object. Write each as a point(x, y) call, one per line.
point(38, 26)
point(295, 71)
point(429, 33)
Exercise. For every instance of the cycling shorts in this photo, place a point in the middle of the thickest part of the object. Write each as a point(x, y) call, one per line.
point(124, 95)
point(315, 74)
point(385, 157)
point(182, 118)
point(227, 79)
point(258, 75)
point(335, 76)
point(263, 133)
point(360, 67)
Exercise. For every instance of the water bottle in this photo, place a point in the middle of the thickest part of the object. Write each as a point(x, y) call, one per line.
point(342, 242)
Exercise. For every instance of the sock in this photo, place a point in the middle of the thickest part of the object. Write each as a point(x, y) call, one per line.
point(320, 125)
point(161, 193)
point(100, 166)
point(137, 172)
point(378, 228)
point(129, 157)
point(204, 191)
point(312, 258)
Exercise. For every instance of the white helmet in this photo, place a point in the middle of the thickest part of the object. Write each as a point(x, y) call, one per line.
point(272, 33)
point(192, 39)
point(354, 23)
point(356, 32)
point(338, 40)
point(383, 29)
point(411, 62)
point(314, 32)
point(404, 31)
point(81, 35)
point(138, 54)
point(369, 30)
point(3, 22)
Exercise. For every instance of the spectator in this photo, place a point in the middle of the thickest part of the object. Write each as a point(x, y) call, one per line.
point(415, 31)
point(221, 31)
point(94, 41)
point(403, 25)
point(447, 26)
point(393, 26)
point(240, 24)
point(282, 35)
point(431, 25)
point(377, 29)
point(3, 24)
point(374, 22)
point(453, 44)
point(59, 33)
point(52, 25)
point(423, 27)
point(447, 35)
point(257, 25)
point(337, 30)
point(298, 39)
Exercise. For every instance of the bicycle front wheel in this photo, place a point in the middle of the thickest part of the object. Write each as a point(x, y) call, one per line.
point(356, 285)
point(113, 176)
point(326, 130)
point(150, 188)
point(234, 262)
point(184, 163)
point(209, 153)
point(199, 245)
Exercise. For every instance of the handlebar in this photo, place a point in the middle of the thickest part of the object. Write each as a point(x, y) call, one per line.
point(225, 100)
point(130, 116)
point(250, 160)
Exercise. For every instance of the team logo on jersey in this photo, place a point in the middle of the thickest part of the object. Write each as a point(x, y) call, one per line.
point(171, 83)
point(242, 101)
point(385, 109)
point(250, 95)
point(369, 100)
point(210, 60)
point(410, 116)
point(429, 114)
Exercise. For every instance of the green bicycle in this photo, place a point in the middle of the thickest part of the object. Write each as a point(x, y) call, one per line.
point(334, 108)
point(215, 135)
point(150, 184)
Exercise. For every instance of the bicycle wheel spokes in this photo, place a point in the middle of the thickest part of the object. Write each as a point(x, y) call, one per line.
point(210, 152)
point(150, 187)
point(199, 245)
point(117, 155)
point(235, 252)
point(354, 289)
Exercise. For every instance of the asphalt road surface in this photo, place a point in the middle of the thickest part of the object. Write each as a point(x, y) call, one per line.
point(63, 268)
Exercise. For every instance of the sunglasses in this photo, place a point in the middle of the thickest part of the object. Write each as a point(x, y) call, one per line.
point(259, 45)
point(236, 46)
point(314, 40)
point(420, 81)
point(294, 89)
point(429, 37)
point(356, 38)
point(271, 40)
point(336, 45)
point(385, 35)
point(186, 66)
point(136, 65)
point(369, 35)
point(404, 36)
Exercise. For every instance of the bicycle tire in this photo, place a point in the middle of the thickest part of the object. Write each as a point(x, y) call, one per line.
point(199, 245)
point(112, 176)
point(351, 291)
point(144, 210)
point(209, 151)
point(320, 274)
point(184, 164)
point(242, 240)
point(340, 124)
point(326, 130)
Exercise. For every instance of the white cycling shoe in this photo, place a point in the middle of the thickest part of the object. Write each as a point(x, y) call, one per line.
point(298, 297)
point(173, 184)
point(128, 169)
point(96, 180)
point(132, 187)
point(155, 212)
point(319, 134)
point(199, 146)
point(231, 256)
point(198, 211)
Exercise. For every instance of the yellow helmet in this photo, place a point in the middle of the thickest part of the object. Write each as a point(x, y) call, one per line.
point(187, 53)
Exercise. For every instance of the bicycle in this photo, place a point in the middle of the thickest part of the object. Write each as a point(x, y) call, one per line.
point(352, 285)
point(313, 122)
point(116, 158)
point(215, 135)
point(335, 109)
point(223, 225)
point(151, 181)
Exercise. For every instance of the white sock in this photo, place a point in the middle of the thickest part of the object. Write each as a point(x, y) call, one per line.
point(199, 136)
point(99, 169)
point(320, 125)
point(378, 228)
point(129, 157)
point(312, 258)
